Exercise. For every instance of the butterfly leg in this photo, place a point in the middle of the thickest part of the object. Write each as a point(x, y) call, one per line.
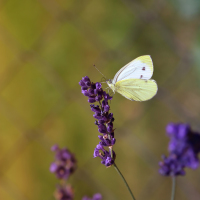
point(111, 93)
point(103, 80)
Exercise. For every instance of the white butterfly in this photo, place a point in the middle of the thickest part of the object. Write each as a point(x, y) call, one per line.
point(133, 80)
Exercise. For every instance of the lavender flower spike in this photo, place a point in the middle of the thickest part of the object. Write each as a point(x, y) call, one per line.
point(64, 164)
point(183, 148)
point(104, 119)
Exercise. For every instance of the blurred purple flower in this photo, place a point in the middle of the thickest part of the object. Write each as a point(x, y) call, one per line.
point(64, 164)
point(95, 197)
point(104, 119)
point(64, 192)
point(183, 148)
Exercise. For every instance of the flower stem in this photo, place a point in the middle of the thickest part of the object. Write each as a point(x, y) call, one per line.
point(115, 166)
point(173, 187)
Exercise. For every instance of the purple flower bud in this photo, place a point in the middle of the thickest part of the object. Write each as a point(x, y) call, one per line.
point(104, 118)
point(113, 140)
point(84, 88)
point(96, 153)
point(100, 137)
point(103, 143)
point(82, 83)
point(85, 79)
point(171, 129)
point(53, 167)
point(110, 124)
point(87, 84)
point(95, 108)
point(98, 86)
point(91, 91)
point(104, 103)
point(85, 93)
point(106, 108)
point(100, 147)
point(91, 100)
point(108, 162)
point(102, 128)
point(97, 115)
point(110, 116)
point(98, 98)
point(183, 130)
point(101, 121)
point(107, 96)
point(102, 131)
point(97, 149)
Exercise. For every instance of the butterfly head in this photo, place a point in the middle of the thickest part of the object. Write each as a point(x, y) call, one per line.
point(109, 81)
point(110, 84)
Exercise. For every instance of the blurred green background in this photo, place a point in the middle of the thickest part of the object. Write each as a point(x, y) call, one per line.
point(47, 46)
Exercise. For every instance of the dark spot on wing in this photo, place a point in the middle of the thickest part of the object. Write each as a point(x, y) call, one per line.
point(143, 68)
point(141, 76)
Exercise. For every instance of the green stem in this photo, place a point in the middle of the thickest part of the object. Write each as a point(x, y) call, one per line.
point(173, 187)
point(115, 166)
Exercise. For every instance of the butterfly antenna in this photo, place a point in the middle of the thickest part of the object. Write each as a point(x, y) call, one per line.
point(99, 71)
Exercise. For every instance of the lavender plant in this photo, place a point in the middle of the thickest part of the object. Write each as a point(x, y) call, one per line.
point(63, 167)
point(64, 164)
point(184, 147)
point(104, 120)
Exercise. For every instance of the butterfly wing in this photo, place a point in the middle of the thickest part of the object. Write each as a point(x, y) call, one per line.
point(140, 68)
point(137, 89)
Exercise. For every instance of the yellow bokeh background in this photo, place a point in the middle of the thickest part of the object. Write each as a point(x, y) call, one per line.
point(46, 47)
